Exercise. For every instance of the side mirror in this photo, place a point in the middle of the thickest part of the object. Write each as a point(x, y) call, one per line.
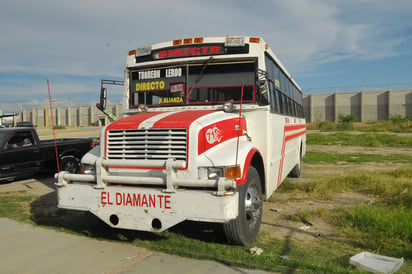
point(262, 86)
point(263, 94)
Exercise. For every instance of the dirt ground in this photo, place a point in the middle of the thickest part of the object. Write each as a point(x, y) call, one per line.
point(276, 216)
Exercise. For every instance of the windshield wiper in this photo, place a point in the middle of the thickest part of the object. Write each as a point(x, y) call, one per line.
point(201, 74)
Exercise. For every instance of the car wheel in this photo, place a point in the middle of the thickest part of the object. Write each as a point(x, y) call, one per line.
point(244, 229)
point(70, 164)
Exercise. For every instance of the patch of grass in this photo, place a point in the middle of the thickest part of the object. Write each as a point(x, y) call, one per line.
point(387, 230)
point(13, 205)
point(401, 172)
point(333, 158)
point(385, 126)
point(392, 187)
point(394, 124)
point(59, 127)
point(322, 126)
point(367, 139)
point(345, 126)
point(321, 260)
point(382, 227)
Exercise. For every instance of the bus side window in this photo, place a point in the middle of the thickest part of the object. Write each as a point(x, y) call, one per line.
point(283, 82)
point(295, 112)
point(287, 105)
point(274, 102)
point(281, 102)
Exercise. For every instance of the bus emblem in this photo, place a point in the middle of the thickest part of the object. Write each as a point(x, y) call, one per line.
point(213, 135)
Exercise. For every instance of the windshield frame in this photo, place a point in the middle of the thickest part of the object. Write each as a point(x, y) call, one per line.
point(241, 74)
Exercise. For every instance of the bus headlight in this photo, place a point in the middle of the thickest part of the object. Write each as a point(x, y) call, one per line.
point(210, 172)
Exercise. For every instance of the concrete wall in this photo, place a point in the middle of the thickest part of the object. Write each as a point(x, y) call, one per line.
point(365, 106)
point(80, 116)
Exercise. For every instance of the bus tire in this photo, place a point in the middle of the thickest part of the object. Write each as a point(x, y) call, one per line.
point(70, 164)
point(244, 229)
point(297, 169)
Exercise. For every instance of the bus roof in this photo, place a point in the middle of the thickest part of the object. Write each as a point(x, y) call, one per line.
point(229, 41)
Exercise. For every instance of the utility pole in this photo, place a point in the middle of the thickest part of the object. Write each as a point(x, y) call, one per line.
point(46, 120)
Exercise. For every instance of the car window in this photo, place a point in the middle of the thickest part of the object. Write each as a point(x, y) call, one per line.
point(2, 136)
point(20, 140)
point(24, 124)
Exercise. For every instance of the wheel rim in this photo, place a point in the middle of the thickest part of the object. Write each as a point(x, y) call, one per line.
point(70, 166)
point(252, 205)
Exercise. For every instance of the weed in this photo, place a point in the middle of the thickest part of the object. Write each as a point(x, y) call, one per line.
point(347, 118)
point(12, 205)
point(59, 127)
point(395, 124)
point(398, 119)
point(366, 139)
point(345, 126)
point(381, 228)
point(333, 158)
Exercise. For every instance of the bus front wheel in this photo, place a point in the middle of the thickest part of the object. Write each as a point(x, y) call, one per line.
point(244, 229)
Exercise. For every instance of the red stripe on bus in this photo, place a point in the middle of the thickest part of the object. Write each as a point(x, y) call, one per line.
point(287, 138)
point(249, 156)
point(132, 122)
point(282, 158)
point(294, 127)
point(295, 135)
point(181, 119)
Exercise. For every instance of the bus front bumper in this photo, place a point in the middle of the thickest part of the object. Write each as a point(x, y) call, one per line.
point(145, 208)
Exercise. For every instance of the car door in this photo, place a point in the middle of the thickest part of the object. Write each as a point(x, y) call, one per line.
point(20, 155)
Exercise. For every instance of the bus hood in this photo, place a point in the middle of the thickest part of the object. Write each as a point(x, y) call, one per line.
point(171, 119)
point(150, 120)
point(208, 127)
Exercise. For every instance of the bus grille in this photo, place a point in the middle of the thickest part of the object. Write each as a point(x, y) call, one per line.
point(147, 144)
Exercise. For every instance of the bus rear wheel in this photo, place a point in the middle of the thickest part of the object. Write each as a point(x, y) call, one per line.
point(244, 229)
point(297, 169)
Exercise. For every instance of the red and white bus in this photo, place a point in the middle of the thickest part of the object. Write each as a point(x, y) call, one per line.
point(211, 128)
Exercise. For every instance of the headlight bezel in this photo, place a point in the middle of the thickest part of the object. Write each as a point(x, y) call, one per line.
point(210, 173)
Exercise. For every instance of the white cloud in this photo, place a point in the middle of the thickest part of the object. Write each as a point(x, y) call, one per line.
point(90, 38)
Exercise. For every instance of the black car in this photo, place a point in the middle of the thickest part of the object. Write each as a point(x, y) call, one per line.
point(23, 154)
point(24, 124)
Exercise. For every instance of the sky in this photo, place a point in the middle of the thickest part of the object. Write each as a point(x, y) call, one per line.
point(326, 45)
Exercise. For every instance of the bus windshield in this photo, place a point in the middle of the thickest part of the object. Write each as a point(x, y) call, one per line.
point(210, 82)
